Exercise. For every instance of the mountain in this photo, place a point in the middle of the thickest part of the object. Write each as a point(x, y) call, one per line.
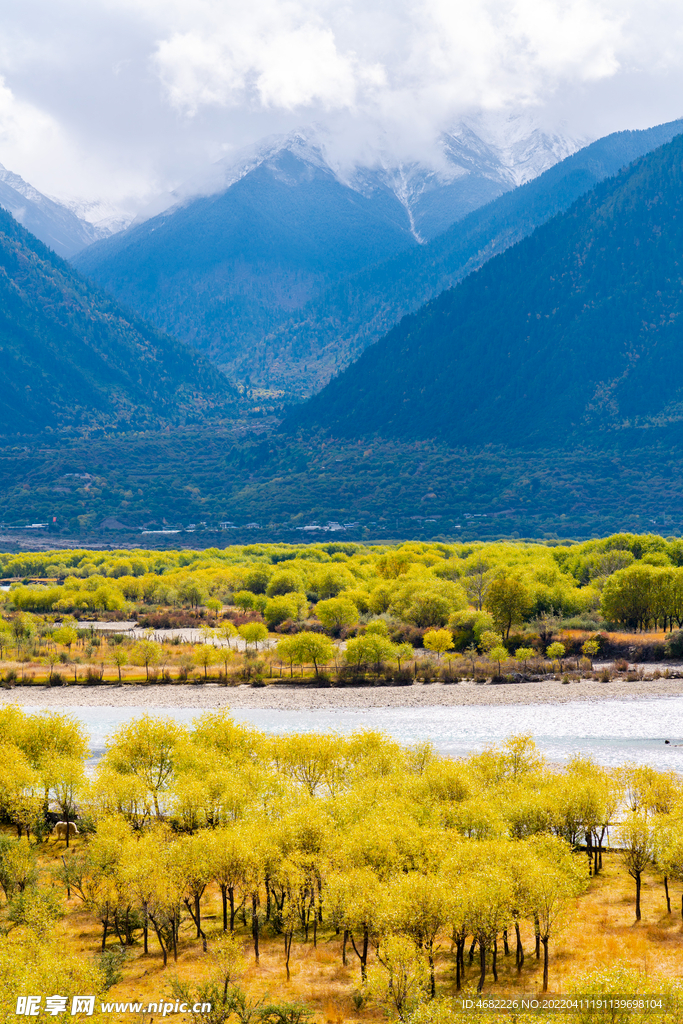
point(574, 333)
point(73, 359)
point(53, 223)
point(227, 258)
point(335, 328)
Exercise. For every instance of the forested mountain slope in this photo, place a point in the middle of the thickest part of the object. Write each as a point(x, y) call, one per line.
point(574, 331)
point(335, 328)
point(243, 247)
point(71, 358)
point(222, 270)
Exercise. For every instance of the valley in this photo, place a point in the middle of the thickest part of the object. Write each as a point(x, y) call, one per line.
point(390, 448)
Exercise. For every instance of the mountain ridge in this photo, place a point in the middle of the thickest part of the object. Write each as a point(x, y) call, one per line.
point(347, 318)
point(573, 331)
point(53, 222)
point(223, 270)
point(73, 360)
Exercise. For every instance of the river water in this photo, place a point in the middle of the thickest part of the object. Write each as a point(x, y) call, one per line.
point(612, 731)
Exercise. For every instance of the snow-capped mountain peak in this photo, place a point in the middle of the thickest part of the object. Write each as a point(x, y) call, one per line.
point(480, 157)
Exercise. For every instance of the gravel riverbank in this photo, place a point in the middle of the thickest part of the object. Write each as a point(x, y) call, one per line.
point(292, 697)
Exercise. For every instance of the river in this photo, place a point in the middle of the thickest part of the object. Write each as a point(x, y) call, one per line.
point(612, 731)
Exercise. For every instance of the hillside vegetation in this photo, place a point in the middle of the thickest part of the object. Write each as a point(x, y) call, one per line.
point(572, 332)
point(72, 359)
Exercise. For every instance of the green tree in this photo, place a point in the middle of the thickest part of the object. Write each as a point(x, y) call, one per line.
point(206, 656)
point(253, 633)
point(508, 601)
point(279, 609)
point(476, 580)
point(147, 652)
point(120, 658)
point(498, 654)
point(336, 613)
point(438, 640)
point(313, 649)
point(523, 654)
point(403, 652)
point(556, 652)
point(591, 649)
point(66, 636)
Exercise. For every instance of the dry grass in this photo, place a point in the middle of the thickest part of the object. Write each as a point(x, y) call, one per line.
point(600, 930)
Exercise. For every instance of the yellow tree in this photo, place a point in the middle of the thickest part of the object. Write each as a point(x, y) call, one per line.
point(419, 907)
point(400, 978)
point(636, 839)
point(490, 898)
point(193, 860)
point(20, 789)
point(355, 899)
point(438, 640)
point(64, 777)
point(145, 748)
point(557, 879)
point(229, 860)
point(668, 836)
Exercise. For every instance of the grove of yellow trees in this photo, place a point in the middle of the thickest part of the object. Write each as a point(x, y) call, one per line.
point(427, 872)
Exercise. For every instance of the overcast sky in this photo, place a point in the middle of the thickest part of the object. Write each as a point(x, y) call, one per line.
point(123, 99)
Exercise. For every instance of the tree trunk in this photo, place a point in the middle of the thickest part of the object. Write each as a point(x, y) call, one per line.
point(224, 901)
point(346, 939)
point(254, 923)
point(519, 951)
point(164, 951)
point(363, 957)
point(506, 948)
point(198, 919)
point(459, 963)
point(472, 949)
point(105, 930)
point(668, 898)
point(494, 959)
point(288, 947)
point(482, 966)
point(544, 940)
point(638, 881)
point(432, 977)
point(537, 929)
point(231, 894)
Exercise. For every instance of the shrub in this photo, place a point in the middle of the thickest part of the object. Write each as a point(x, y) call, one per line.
point(674, 644)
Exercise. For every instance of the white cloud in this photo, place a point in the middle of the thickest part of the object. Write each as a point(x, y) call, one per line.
point(122, 98)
